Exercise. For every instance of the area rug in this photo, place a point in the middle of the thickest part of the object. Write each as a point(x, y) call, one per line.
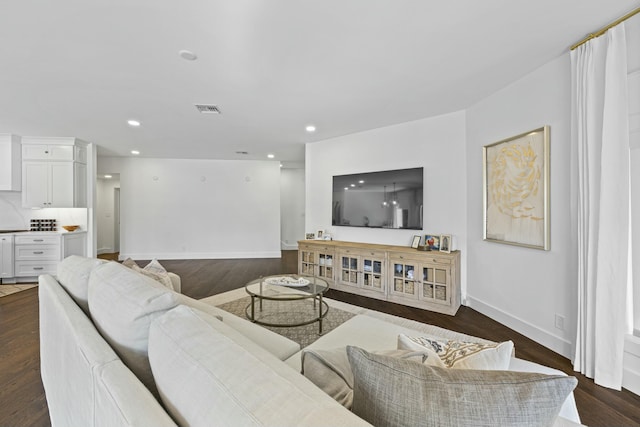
point(8, 289)
point(291, 312)
point(239, 296)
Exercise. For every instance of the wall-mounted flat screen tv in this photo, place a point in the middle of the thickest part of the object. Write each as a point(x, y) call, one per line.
point(385, 199)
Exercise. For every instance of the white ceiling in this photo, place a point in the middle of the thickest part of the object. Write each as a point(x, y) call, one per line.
point(82, 68)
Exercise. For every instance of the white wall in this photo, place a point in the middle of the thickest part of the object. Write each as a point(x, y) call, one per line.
point(197, 209)
point(520, 287)
point(105, 215)
point(291, 207)
point(436, 143)
point(12, 215)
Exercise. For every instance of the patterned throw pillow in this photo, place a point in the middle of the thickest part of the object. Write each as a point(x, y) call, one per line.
point(461, 354)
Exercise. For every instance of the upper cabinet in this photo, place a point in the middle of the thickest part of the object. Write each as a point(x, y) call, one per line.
point(10, 163)
point(54, 173)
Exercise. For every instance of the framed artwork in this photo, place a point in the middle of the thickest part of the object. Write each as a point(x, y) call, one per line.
point(516, 190)
point(445, 243)
point(310, 236)
point(319, 234)
point(415, 242)
point(432, 241)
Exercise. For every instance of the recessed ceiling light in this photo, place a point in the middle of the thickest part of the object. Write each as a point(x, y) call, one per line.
point(133, 123)
point(361, 181)
point(310, 128)
point(346, 188)
point(188, 55)
point(271, 156)
point(353, 185)
point(135, 152)
point(108, 176)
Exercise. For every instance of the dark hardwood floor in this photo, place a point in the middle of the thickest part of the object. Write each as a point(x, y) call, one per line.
point(22, 401)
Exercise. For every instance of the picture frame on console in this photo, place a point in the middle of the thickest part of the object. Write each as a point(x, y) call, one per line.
point(415, 242)
point(310, 236)
point(432, 241)
point(445, 243)
point(516, 190)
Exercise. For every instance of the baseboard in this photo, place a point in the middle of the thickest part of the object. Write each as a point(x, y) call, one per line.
point(105, 251)
point(288, 246)
point(201, 255)
point(542, 337)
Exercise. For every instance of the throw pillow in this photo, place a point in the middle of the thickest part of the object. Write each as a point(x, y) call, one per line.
point(153, 270)
point(394, 392)
point(461, 354)
point(123, 304)
point(331, 372)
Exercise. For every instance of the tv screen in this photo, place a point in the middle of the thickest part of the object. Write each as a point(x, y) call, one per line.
point(385, 199)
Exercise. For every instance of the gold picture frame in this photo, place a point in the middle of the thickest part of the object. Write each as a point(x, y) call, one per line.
point(515, 174)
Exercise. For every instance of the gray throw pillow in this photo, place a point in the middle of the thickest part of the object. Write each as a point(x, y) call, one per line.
point(394, 392)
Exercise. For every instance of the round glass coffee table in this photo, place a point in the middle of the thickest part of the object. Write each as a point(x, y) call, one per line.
point(287, 300)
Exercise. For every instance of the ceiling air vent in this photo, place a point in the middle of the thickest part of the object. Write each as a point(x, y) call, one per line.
point(208, 109)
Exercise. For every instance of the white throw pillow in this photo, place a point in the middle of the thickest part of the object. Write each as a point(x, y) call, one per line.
point(461, 354)
point(123, 304)
point(153, 270)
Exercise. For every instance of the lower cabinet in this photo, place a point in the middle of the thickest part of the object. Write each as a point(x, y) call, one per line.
point(316, 260)
point(6, 256)
point(423, 279)
point(37, 253)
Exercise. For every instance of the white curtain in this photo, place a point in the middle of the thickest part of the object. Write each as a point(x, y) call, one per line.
point(600, 138)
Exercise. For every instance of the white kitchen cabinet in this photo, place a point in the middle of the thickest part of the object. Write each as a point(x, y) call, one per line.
point(54, 175)
point(6, 256)
point(10, 163)
point(39, 253)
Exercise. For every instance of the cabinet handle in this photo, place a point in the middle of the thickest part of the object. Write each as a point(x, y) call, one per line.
point(38, 252)
point(38, 268)
point(38, 240)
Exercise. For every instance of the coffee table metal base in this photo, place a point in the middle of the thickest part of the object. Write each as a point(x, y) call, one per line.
point(323, 309)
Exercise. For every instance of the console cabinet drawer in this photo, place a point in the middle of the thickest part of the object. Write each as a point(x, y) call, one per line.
point(37, 252)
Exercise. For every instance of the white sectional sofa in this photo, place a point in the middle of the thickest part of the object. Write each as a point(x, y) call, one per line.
point(119, 349)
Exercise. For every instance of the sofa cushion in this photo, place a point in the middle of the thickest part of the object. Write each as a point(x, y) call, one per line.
point(73, 275)
point(123, 304)
point(208, 374)
point(331, 372)
point(461, 354)
point(390, 391)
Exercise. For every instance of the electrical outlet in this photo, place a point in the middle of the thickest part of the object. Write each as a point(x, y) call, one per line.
point(559, 322)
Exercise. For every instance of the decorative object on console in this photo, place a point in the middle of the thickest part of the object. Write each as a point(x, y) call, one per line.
point(43, 225)
point(71, 228)
point(415, 242)
point(432, 241)
point(310, 236)
point(445, 243)
point(516, 190)
point(319, 234)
